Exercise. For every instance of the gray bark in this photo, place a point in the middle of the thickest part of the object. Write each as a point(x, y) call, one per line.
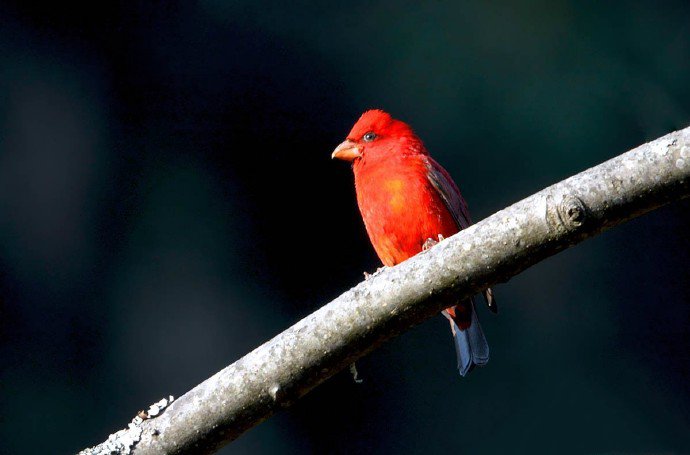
point(285, 368)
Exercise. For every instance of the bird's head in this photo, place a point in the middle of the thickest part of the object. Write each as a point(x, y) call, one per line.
point(378, 135)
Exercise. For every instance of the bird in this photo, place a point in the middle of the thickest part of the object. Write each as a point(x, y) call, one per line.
point(408, 203)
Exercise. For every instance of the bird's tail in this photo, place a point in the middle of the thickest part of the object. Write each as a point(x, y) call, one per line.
point(470, 343)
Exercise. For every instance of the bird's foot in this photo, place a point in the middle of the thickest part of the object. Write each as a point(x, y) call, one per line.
point(355, 374)
point(368, 275)
point(490, 300)
point(431, 242)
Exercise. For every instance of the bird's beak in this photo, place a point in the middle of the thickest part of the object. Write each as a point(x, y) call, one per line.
point(346, 151)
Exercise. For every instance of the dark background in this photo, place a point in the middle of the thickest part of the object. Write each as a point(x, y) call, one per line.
point(168, 203)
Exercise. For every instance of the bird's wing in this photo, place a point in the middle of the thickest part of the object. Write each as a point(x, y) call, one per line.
point(449, 192)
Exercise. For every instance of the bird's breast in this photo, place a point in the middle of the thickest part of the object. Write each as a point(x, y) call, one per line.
point(394, 190)
point(401, 210)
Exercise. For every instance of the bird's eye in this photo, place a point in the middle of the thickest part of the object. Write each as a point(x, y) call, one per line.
point(370, 136)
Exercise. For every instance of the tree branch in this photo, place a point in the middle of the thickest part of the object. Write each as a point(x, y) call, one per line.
point(285, 368)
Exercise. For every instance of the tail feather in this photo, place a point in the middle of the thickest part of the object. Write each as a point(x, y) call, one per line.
point(470, 344)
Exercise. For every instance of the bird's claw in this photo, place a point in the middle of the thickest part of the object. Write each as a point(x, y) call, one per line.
point(368, 275)
point(490, 300)
point(431, 242)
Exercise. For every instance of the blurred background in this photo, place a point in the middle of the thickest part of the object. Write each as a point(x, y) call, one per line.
point(168, 203)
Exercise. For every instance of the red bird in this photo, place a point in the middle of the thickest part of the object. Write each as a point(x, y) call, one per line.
point(408, 201)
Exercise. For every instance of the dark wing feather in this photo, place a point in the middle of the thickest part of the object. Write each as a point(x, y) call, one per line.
point(449, 192)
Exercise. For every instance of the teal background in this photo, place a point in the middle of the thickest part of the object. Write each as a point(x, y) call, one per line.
point(168, 203)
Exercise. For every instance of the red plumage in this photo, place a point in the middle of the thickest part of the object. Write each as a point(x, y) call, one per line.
point(407, 198)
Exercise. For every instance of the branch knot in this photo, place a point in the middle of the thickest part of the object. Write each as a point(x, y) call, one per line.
point(566, 216)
